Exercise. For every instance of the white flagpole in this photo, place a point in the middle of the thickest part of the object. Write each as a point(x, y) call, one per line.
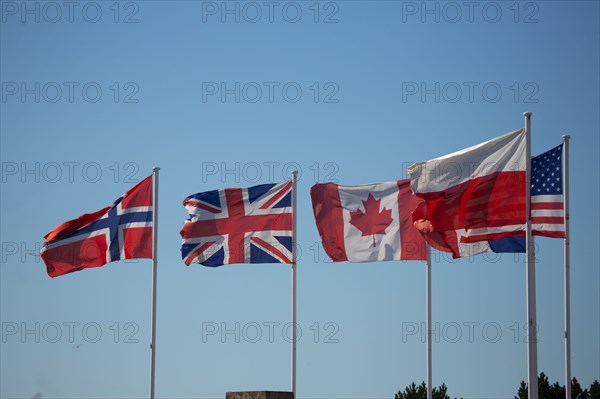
point(530, 266)
point(428, 326)
point(566, 138)
point(154, 267)
point(294, 252)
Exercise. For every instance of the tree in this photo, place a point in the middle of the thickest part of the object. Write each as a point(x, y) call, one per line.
point(420, 392)
point(522, 393)
point(557, 391)
point(595, 390)
point(544, 387)
point(575, 388)
point(440, 393)
point(413, 392)
point(545, 390)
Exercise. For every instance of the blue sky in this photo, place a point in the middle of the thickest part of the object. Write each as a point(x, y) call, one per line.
point(226, 94)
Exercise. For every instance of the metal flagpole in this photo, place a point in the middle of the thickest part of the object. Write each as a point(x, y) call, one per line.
point(154, 267)
point(566, 138)
point(428, 327)
point(530, 266)
point(294, 252)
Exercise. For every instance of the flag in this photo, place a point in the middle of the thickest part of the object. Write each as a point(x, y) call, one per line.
point(120, 231)
point(449, 240)
point(547, 194)
point(239, 225)
point(478, 191)
point(367, 223)
point(547, 213)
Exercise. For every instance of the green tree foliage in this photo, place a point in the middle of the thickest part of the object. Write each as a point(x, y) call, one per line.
point(420, 392)
point(545, 390)
point(557, 391)
point(412, 392)
point(575, 388)
point(522, 392)
point(595, 390)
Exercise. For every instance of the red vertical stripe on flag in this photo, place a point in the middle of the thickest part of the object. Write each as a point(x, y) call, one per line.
point(412, 244)
point(327, 209)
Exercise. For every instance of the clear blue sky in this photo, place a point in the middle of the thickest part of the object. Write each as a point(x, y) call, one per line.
point(96, 93)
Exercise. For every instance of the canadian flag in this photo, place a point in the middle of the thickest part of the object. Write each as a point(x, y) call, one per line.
point(368, 223)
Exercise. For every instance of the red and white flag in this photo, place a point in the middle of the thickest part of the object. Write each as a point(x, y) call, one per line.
point(367, 223)
point(479, 191)
point(547, 194)
point(120, 231)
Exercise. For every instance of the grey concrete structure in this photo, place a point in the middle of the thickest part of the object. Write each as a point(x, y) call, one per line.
point(259, 395)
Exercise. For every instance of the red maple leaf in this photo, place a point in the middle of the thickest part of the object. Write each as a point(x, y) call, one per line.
point(372, 221)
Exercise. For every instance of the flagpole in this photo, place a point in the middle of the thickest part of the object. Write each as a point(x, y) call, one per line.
point(154, 268)
point(567, 260)
point(428, 326)
point(532, 362)
point(294, 252)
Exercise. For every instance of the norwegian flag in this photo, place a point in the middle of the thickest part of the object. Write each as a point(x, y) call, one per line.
point(239, 225)
point(120, 231)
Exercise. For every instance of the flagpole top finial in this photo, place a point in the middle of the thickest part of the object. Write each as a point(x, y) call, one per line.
point(566, 136)
point(155, 168)
point(294, 173)
point(527, 114)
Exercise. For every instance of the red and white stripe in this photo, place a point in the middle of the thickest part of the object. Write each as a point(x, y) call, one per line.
point(548, 215)
point(480, 189)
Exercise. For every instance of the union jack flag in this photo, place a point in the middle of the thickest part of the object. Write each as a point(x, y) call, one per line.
point(120, 231)
point(239, 225)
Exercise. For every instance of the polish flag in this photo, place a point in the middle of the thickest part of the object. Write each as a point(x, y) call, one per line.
point(478, 192)
point(367, 223)
point(449, 240)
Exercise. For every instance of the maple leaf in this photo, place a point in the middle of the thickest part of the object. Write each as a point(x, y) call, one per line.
point(371, 221)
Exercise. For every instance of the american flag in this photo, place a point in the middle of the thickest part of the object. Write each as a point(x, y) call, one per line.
point(547, 194)
point(239, 225)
